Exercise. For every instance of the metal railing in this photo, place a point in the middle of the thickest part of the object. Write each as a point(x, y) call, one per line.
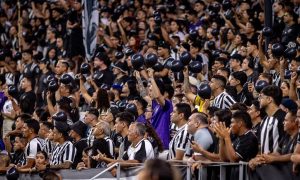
point(118, 166)
point(222, 165)
point(202, 174)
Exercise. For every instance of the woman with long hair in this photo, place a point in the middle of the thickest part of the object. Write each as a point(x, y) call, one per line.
point(99, 99)
point(154, 139)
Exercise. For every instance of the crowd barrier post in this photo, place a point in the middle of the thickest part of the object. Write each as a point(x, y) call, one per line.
point(118, 171)
point(188, 172)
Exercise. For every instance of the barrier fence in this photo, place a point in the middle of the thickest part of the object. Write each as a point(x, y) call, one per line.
point(207, 171)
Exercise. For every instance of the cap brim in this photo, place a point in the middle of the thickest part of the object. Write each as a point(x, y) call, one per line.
point(118, 68)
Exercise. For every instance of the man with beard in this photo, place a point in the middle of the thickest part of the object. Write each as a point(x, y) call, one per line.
point(271, 128)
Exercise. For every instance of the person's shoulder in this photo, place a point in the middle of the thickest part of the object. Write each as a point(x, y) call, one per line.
point(279, 114)
point(82, 142)
point(69, 143)
point(201, 131)
point(250, 136)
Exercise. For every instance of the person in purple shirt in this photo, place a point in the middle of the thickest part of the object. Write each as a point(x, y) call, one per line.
point(162, 108)
point(141, 106)
point(3, 98)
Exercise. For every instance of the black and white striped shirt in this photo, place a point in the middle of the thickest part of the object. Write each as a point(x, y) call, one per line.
point(271, 131)
point(111, 146)
point(223, 101)
point(49, 147)
point(34, 146)
point(63, 153)
point(275, 77)
point(173, 130)
point(180, 141)
point(90, 137)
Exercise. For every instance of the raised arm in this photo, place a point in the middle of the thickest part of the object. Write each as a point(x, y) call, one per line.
point(186, 86)
point(262, 58)
point(155, 90)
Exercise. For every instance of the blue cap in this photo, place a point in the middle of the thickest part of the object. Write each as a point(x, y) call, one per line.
point(289, 104)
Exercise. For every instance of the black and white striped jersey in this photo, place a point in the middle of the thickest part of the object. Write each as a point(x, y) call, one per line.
point(271, 131)
point(49, 147)
point(223, 101)
point(32, 147)
point(111, 145)
point(275, 77)
point(180, 141)
point(90, 137)
point(63, 153)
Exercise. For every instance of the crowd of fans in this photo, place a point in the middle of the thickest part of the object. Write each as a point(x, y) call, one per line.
point(180, 80)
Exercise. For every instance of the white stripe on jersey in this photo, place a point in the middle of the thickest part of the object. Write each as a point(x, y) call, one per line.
point(179, 141)
point(269, 135)
point(63, 153)
point(223, 101)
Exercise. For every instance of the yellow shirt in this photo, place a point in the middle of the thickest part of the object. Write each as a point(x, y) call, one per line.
point(199, 102)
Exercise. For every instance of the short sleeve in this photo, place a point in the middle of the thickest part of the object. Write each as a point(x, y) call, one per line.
point(33, 149)
point(69, 154)
point(247, 148)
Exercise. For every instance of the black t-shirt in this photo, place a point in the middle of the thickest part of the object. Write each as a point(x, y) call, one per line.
point(27, 102)
point(122, 80)
point(80, 146)
point(102, 146)
point(32, 70)
point(117, 139)
point(42, 84)
point(18, 158)
point(59, 25)
point(256, 130)
point(108, 76)
point(289, 33)
point(287, 144)
point(278, 25)
point(298, 139)
point(246, 146)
